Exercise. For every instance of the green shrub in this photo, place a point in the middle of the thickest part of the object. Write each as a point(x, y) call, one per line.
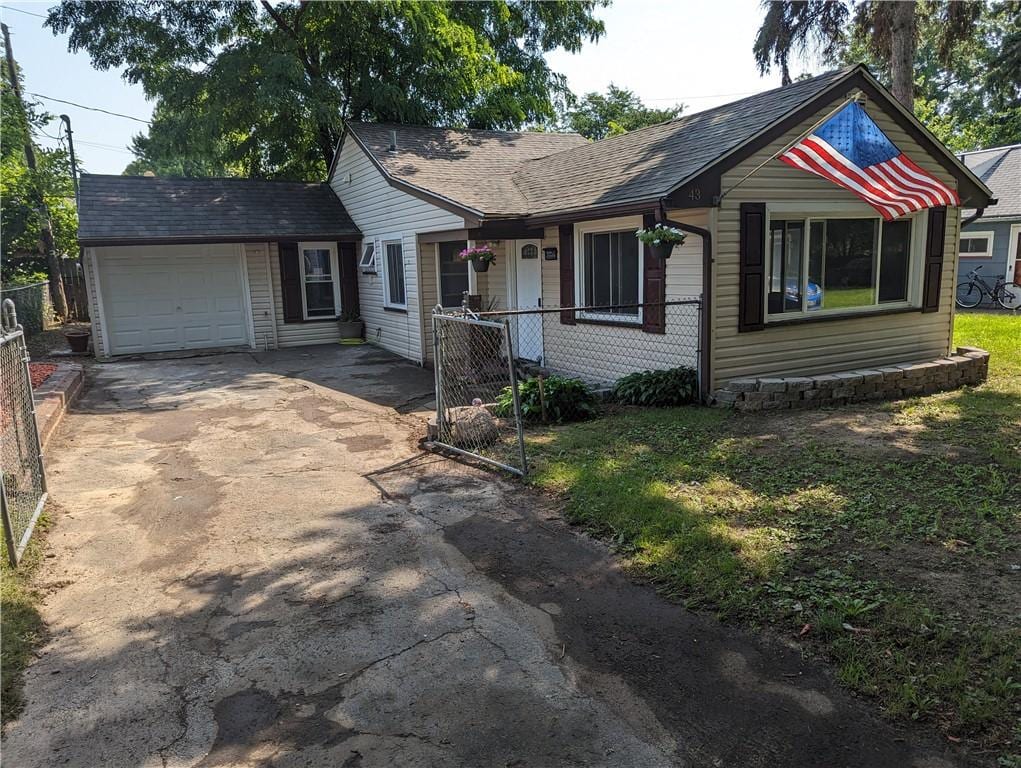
point(566, 400)
point(674, 386)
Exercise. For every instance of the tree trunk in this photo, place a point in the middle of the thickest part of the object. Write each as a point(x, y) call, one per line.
point(902, 53)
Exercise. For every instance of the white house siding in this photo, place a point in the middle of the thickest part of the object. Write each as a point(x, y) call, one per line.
point(819, 346)
point(602, 354)
point(260, 290)
point(380, 210)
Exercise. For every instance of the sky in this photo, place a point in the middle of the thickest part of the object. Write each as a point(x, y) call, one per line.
point(695, 52)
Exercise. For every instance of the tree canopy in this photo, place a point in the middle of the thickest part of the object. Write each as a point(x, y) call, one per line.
point(20, 219)
point(958, 64)
point(597, 116)
point(260, 89)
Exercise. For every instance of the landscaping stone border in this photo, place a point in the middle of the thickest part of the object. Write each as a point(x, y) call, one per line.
point(55, 395)
point(969, 365)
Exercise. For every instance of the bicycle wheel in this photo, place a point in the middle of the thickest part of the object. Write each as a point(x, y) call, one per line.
point(968, 295)
point(1009, 296)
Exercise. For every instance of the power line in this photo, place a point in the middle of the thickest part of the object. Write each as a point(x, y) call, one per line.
point(19, 10)
point(93, 109)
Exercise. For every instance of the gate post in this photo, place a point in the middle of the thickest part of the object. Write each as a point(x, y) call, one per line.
point(517, 398)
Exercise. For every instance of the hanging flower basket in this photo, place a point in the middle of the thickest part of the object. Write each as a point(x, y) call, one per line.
point(661, 239)
point(481, 256)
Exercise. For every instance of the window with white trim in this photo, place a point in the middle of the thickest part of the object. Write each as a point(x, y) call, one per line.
point(818, 264)
point(368, 261)
point(320, 280)
point(976, 245)
point(610, 274)
point(394, 291)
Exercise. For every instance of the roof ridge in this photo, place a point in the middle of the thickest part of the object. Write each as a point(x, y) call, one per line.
point(1006, 148)
point(244, 179)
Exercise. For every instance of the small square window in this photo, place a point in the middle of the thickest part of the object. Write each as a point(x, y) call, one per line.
point(368, 261)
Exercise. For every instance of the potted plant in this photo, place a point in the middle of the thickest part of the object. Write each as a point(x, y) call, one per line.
point(661, 239)
point(77, 339)
point(480, 256)
point(351, 325)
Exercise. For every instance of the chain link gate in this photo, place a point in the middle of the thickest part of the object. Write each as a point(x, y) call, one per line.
point(478, 413)
point(22, 480)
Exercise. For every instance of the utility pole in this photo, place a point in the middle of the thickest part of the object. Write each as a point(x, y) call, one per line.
point(46, 228)
point(74, 165)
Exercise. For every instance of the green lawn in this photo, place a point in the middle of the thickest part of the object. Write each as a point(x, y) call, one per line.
point(881, 537)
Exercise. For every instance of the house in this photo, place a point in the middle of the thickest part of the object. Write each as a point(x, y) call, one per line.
point(796, 275)
point(993, 240)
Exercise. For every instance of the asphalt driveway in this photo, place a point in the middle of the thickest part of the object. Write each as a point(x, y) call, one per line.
point(254, 565)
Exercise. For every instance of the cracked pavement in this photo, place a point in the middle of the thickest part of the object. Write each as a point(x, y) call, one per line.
point(254, 565)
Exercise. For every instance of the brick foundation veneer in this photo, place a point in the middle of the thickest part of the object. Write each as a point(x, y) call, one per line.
point(968, 366)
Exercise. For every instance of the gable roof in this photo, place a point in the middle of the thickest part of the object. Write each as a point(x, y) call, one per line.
point(541, 176)
point(650, 162)
point(145, 209)
point(472, 168)
point(1000, 170)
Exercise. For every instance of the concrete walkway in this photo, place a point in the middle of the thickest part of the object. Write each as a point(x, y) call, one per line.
point(242, 576)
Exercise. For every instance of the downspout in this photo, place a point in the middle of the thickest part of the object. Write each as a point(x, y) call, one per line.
point(975, 216)
point(707, 266)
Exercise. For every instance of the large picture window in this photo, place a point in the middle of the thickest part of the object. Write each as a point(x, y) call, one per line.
point(393, 277)
point(320, 287)
point(820, 264)
point(611, 273)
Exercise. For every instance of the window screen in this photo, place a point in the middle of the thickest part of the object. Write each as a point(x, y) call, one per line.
point(611, 272)
point(395, 274)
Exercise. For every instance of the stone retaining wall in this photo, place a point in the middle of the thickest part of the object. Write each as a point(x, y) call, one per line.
point(968, 366)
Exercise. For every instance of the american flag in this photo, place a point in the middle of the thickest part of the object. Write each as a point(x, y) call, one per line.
point(850, 150)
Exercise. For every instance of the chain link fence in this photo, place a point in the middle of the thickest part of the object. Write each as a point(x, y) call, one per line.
point(32, 304)
point(498, 371)
point(22, 480)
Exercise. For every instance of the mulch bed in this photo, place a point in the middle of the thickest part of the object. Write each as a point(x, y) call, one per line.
point(40, 372)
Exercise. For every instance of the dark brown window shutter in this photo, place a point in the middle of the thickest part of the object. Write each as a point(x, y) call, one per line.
point(751, 316)
point(934, 240)
point(567, 272)
point(348, 256)
point(290, 282)
point(653, 287)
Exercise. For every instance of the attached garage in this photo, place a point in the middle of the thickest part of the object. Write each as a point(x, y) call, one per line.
point(186, 264)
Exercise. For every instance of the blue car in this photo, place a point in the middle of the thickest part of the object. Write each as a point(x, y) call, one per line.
point(813, 296)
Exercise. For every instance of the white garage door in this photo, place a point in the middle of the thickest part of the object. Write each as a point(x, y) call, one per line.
point(163, 298)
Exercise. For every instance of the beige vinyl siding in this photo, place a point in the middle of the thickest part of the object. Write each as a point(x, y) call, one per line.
point(492, 284)
point(380, 211)
point(602, 354)
point(260, 291)
point(296, 334)
point(95, 316)
point(820, 346)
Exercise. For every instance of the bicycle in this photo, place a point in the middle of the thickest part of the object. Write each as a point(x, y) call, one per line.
point(969, 294)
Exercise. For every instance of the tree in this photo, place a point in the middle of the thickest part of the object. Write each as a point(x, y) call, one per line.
point(888, 30)
point(23, 257)
point(262, 89)
point(597, 116)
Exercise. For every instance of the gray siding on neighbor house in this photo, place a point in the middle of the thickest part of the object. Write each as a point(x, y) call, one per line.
point(380, 210)
point(996, 265)
point(830, 345)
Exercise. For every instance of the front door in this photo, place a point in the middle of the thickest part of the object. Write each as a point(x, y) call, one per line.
point(528, 294)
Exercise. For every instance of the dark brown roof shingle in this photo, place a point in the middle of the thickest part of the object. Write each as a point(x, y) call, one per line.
point(138, 208)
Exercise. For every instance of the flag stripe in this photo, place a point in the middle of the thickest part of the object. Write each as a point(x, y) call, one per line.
point(850, 175)
point(912, 168)
point(795, 158)
point(883, 174)
point(909, 202)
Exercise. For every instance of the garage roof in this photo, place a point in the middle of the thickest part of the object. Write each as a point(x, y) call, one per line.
point(136, 210)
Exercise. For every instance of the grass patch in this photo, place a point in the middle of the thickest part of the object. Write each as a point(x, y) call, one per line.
point(21, 626)
point(889, 557)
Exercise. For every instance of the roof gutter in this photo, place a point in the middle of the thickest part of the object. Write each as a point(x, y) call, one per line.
point(705, 331)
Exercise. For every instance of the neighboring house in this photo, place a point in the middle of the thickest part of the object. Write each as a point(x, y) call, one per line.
point(993, 241)
point(561, 213)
